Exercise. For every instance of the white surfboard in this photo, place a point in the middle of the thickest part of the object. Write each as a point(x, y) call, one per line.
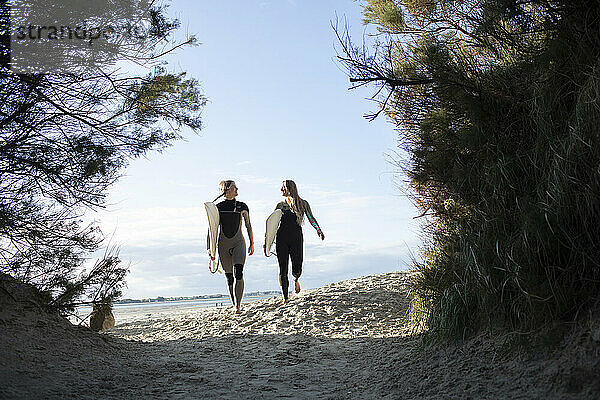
point(213, 231)
point(272, 226)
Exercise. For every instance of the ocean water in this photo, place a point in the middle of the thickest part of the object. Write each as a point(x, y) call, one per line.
point(125, 313)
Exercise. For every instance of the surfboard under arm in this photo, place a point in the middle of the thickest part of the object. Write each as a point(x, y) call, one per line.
point(212, 212)
point(271, 230)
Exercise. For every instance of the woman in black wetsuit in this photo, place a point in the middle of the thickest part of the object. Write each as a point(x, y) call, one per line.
point(289, 239)
point(231, 243)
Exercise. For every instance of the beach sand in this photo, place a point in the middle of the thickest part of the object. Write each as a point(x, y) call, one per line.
point(345, 340)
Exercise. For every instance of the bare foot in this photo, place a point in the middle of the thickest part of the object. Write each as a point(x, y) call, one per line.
point(238, 310)
point(285, 301)
point(297, 286)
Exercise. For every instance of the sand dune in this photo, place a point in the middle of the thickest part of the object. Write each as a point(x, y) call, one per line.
point(345, 340)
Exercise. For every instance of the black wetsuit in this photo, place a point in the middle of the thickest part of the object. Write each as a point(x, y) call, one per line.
point(290, 243)
point(230, 216)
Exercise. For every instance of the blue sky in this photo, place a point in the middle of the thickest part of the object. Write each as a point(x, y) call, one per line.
point(279, 108)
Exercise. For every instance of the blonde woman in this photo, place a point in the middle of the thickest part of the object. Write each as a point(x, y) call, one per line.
point(231, 243)
point(289, 239)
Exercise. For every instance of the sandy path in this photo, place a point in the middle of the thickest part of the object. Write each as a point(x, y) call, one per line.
point(345, 340)
point(299, 350)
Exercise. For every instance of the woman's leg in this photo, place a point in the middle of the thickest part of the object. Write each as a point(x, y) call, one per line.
point(239, 285)
point(297, 256)
point(227, 264)
point(283, 256)
point(239, 258)
point(229, 276)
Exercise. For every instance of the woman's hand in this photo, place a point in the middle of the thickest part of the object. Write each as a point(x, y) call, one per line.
point(251, 249)
point(210, 255)
point(320, 233)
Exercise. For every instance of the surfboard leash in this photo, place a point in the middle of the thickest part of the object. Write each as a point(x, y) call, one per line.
point(215, 269)
point(272, 253)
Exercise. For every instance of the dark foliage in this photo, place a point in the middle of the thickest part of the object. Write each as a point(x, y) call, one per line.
point(496, 102)
point(64, 139)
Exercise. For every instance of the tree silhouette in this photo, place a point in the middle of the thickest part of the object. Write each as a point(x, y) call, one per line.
point(494, 101)
point(64, 139)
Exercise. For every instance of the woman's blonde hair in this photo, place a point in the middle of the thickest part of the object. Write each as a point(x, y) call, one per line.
point(297, 205)
point(223, 187)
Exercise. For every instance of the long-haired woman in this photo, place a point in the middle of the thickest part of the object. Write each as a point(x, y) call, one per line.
point(289, 239)
point(231, 243)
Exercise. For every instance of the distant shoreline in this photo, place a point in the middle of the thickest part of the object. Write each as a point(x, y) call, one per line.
point(161, 299)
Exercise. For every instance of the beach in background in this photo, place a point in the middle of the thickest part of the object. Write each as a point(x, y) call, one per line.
point(130, 312)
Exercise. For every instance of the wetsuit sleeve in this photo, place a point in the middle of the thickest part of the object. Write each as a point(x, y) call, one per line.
point(246, 216)
point(310, 216)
